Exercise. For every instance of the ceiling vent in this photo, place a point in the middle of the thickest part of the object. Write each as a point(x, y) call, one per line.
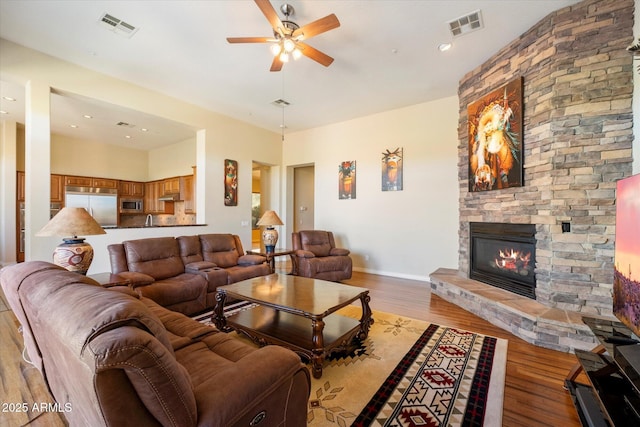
point(125, 124)
point(280, 103)
point(466, 24)
point(118, 26)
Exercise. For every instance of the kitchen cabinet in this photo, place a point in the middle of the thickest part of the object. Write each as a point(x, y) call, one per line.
point(188, 192)
point(20, 190)
point(57, 188)
point(152, 191)
point(87, 181)
point(171, 186)
point(131, 189)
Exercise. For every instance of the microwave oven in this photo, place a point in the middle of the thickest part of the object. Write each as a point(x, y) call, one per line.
point(131, 206)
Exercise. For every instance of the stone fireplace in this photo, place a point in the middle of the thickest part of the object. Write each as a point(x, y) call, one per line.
point(503, 255)
point(577, 142)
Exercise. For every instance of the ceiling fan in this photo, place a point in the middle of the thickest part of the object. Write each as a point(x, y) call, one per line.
point(288, 37)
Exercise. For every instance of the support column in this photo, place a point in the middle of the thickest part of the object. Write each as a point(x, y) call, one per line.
point(8, 208)
point(37, 168)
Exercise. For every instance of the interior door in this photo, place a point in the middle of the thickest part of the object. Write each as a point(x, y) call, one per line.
point(303, 197)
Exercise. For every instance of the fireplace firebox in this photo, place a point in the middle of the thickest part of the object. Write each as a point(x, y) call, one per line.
point(503, 255)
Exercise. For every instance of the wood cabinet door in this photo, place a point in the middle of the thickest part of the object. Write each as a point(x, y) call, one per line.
point(78, 181)
point(171, 185)
point(20, 190)
point(187, 193)
point(57, 188)
point(104, 183)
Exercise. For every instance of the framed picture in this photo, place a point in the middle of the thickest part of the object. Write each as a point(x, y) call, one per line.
point(495, 139)
point(392, 170)
point(347, 180)
point(230, 182)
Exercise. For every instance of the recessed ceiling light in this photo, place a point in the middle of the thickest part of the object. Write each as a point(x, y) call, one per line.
point(73, 126)
point(3, 112)
point(8, 98)
point(87, 116)
point(144, 130)
point(443, 47)
point(128, 136)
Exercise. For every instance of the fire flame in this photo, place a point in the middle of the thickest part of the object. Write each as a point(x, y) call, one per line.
point(511, 259)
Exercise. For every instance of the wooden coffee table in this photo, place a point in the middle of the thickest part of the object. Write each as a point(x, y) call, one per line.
point(297, 313)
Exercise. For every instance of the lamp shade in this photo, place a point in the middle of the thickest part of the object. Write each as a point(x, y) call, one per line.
point(270, 218)
point(71, 222)
point(74, 253)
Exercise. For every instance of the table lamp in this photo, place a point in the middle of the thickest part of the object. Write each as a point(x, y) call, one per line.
point(270, 234)
point(74, 253)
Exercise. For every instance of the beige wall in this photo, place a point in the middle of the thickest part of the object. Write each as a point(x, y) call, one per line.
point(173, 160)
point(407, 233)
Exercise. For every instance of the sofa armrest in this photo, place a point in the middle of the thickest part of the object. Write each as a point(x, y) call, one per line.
point(251, 260)
point(301, 253)
point(137, 279)
point(339, 252)
point(196, 267)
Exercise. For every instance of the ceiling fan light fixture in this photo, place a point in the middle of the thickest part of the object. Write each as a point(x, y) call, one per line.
point(284, 57)
point(296, 53)
point(276, 49)
point(288, 45)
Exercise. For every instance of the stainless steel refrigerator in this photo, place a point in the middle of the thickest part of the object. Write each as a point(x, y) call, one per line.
point(101, 203)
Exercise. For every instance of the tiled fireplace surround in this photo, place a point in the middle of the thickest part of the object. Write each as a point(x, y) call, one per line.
point(578, 82)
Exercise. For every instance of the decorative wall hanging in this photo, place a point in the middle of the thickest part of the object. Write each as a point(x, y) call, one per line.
point(230, 182)
point(495, 139)
point(347, 180)
point(392, 170)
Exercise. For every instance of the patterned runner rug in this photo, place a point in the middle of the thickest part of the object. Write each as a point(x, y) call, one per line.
point(410, 373)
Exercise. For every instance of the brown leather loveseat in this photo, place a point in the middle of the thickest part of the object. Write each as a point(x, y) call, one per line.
point(115, 359)
point(316, 256)
point(182, 274)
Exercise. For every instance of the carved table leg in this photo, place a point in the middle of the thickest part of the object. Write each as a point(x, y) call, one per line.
point(217, 317)
point(317, 357)
point(366, 320)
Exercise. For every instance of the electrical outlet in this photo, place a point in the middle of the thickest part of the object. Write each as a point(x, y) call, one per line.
point(244, 223)
point(366, 257)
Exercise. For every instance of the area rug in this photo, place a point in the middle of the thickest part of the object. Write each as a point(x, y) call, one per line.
point(410, 373)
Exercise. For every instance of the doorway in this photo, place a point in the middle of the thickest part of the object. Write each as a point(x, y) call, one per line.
point(303, 198)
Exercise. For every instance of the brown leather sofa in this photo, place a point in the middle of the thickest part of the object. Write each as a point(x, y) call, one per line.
point(316, 256)
point(116, 359)
point(182, 274)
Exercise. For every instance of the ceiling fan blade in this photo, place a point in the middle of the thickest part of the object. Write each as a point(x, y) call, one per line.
point(250, 39)
point(314, 28)
point(276, 65)
point(270, 13)
point(315, 54)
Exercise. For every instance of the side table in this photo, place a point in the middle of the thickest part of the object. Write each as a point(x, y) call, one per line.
point(271, 256)
point(108, 280)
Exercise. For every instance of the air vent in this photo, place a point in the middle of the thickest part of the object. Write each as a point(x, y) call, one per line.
point(280, 103)
point(118, 26)
point(125, 124)
point(466, 24)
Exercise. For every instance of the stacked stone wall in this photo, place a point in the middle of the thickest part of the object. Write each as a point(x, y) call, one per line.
point(578, 130)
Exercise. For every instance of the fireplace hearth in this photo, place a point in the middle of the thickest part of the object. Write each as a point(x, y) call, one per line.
point(503, 255)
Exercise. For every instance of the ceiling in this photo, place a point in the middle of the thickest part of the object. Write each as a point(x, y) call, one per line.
point(386, 57)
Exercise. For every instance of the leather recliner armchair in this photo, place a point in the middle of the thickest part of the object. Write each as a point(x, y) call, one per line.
point(317, 257)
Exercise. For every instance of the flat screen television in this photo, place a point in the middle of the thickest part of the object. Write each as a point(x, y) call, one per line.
point(626, 281)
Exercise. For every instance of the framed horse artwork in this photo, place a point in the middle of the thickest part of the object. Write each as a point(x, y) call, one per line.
point(496, 138)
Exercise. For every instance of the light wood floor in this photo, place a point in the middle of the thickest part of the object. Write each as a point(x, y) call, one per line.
point(534, 394)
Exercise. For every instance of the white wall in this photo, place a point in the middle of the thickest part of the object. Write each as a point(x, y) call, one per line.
point(407, 233)
point(172, 160)
point(71, 156)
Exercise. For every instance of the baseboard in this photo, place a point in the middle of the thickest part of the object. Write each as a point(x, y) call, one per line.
point(393, 274)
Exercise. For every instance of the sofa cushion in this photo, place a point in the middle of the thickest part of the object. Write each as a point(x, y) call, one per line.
point(220, 249)
point(244, 272)
point(251, 260)
point(181, 288)
point(158, 257)
point(190, 249)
